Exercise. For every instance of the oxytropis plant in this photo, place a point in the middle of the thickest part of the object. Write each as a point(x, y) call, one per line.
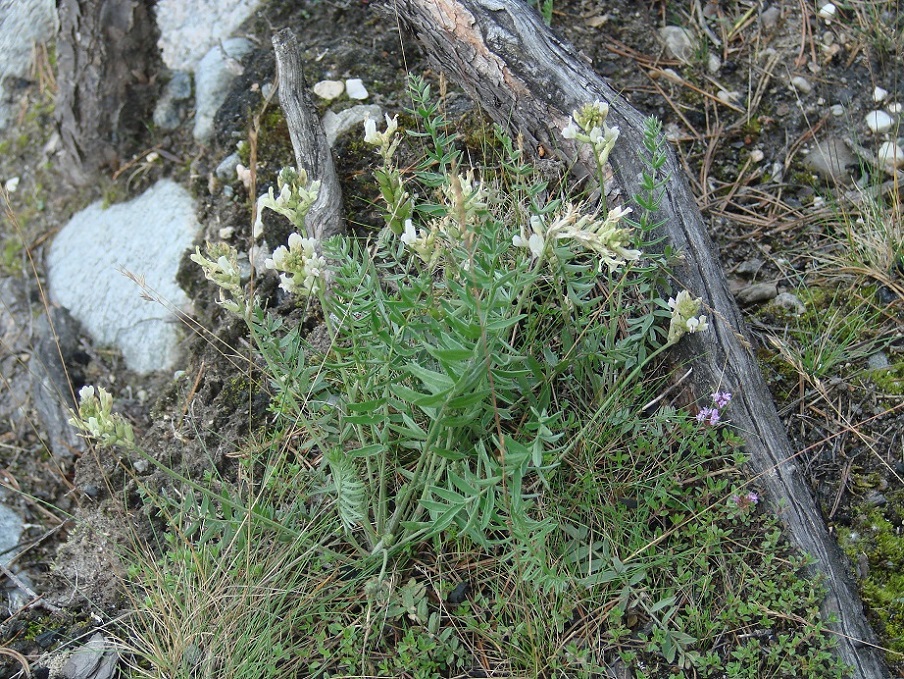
point(485, 327)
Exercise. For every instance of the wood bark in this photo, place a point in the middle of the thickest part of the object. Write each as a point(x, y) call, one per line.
point(107, 62)
point(529, 81)
point(312, 152)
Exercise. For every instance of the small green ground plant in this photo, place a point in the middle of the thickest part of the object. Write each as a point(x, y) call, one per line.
point(476, 481)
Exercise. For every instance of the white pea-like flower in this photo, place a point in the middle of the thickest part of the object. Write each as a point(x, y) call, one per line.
point(684, 316)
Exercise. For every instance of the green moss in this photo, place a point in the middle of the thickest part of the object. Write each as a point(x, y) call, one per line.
point(889, 380)
point(876, 534)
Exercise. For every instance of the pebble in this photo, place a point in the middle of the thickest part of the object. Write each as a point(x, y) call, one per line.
point(756, 156)
point(878, 361)
point(894, 107)
point(837, 110)
point(226, 233)
point(756, 293)
point(830, 159)
point(890, 155)
point(790, 302)
point(879, 94)
point(879, 121)
point(225, 171)
point(801, 84)
point(713, 63)
point(337, 124)
point(749, 268)
point(329, 89)
point(733, 98)
point(873, 498)
point(769, 18)
point(679, 42)
point(11, 184)
point(827, 11)
point(355, 89)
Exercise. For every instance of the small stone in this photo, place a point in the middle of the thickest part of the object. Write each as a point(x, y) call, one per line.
point(830, 159)
point(873, 498)
point(790, 303)
point(879, 121)
point(228, 191)
point(226, 233)
point(878, 361)
point(672, 74)
point(879, 95)
point(756, 293)
point(679, 42)
point(731, 98)
point(801, 84)
point(890, 155)
point(244, 175)
point(770, 16)
point(894, 107)
point(827, 11)
point(713, 63)
point(749, 268)
point(11, 184)
point(140, 465)
point(225, 171)
point(756, 156)
point(179, 86)
point(267, 90)
point(597, 21)
point(337, 124)
point(837, 110)
point(95, 660)
point(329, 89)
point(355, 89)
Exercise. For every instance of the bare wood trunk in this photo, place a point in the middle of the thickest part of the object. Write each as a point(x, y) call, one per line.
point(530, 81)
point(312, 152)
point(107, 62)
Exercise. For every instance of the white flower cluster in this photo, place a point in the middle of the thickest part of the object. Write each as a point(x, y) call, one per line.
point(602, 236)
point(387, 141)
point(96, 418)
point(302, 268)
point(296, 196)
point(589, 126)
point(221, 267)
point(465, 197)
point(684, 316)
point(422, 242)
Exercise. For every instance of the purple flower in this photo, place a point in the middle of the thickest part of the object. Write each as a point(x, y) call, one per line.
point(714, 417)
point(721, 398)
point(708, 415)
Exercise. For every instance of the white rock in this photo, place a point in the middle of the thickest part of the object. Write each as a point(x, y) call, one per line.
point(11, 526)
point(890, 155)
point(190, 28)
point(11, 184)
point(827, 11)
point(713, 63)
point(879, 94)
point(801, 84)
point(355, 89)
point(146, 237)
point(213, 78)
point(837, 110)
point(337, 124)
point(679, 42)
point(329, 89)
point(733, 98)
point(879, 121)
point(894, 107)
point(756, 156)
point(22, 24)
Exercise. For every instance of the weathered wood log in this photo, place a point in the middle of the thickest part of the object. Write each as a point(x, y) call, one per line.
point(106, 66)
point(530, 82)
point(312, 152)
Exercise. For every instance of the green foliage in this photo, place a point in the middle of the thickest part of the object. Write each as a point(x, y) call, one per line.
point(475, 420)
